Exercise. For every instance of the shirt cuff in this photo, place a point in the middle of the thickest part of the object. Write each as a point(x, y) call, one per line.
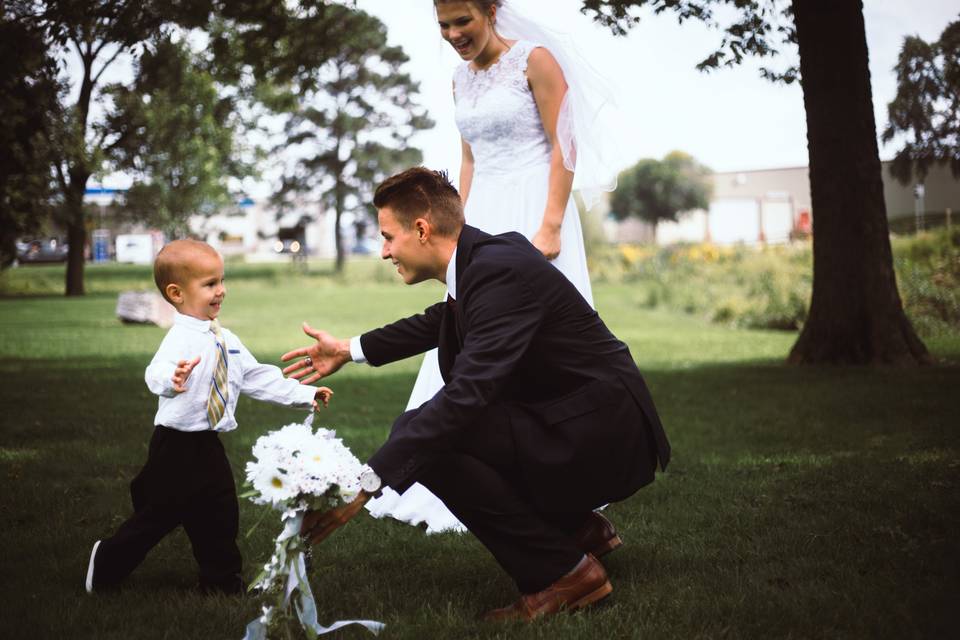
point(304, 395)
point(356, 351)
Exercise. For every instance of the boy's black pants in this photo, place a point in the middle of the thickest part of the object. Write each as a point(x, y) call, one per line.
point(186, 481)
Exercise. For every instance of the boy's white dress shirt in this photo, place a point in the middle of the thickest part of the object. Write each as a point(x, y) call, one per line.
point(191, 337)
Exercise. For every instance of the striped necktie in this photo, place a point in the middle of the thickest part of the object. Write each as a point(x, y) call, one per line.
point(217, 401)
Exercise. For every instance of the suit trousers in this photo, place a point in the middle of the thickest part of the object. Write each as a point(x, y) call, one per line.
point(186, 481)
point(481, 484)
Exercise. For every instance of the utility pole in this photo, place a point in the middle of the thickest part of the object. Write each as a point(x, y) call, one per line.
point(918, 207)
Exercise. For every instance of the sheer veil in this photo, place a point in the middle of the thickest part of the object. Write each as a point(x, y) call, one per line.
point(590, 123)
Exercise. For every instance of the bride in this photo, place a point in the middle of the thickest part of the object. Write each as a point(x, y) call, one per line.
point(528, 110)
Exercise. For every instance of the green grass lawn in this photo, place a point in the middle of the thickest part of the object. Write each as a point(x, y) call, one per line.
point(800, 503)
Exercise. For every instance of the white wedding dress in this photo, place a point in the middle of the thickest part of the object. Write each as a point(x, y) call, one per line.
point(498, 117)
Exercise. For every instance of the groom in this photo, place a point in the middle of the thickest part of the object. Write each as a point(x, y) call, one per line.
point(544, 415)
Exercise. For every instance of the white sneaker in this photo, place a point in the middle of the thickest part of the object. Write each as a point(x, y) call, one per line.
point(93, 554)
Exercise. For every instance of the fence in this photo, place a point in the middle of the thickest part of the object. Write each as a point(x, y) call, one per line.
point(929, 220)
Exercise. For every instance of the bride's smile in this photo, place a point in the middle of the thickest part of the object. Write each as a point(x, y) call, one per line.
point(470, 32)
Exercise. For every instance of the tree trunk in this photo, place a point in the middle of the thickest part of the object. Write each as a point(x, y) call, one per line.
point(856, 316)
point(79, 173)
point(76, 234)
point(77, 238)
point(337, 231)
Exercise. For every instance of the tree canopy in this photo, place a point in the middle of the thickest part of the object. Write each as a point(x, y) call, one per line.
point(659, 190)
point(758, 28)
point(926, 109)
point(177, 138)
point(95, 34)
point(348, 120)
point(140, 127)
point(28, 109)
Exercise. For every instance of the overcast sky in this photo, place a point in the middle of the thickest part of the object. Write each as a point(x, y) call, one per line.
point(729, 119)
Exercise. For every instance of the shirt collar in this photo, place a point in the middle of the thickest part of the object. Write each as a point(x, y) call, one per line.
point(452, 275)
point(189, 322)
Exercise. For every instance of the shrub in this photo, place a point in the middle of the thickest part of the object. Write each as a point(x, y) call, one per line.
point(928, 277)
point(770, 287)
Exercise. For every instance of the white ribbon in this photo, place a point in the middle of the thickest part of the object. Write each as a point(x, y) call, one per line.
point(305, 605)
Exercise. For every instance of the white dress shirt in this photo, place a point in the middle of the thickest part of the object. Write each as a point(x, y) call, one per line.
point(191, 337)
point(356, 350)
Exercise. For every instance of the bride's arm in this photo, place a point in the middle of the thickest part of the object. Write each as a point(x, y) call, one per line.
point(466, 170)
point(549, 86)
point(466, 162)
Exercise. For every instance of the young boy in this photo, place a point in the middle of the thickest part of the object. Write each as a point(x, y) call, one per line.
point(198, 372)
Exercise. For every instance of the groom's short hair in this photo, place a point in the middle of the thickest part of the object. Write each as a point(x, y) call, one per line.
point(422, 193)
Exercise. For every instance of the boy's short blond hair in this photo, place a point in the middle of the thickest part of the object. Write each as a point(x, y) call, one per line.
point(174, 263)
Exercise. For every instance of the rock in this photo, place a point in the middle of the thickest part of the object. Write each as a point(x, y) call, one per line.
point(144, 307)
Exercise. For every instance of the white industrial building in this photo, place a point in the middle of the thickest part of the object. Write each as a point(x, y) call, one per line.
point(251, 229)
point(773, 205)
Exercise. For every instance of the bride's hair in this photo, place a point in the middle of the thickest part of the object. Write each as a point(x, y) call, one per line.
point(483, 5)
point(422, 193)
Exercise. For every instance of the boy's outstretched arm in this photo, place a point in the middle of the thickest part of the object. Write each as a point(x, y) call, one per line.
point(182, 372)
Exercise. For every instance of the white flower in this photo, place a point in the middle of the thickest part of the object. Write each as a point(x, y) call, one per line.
point(295, 463)
point(274, 485)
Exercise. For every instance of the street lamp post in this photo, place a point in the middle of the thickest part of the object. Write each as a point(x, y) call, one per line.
point(918, 193)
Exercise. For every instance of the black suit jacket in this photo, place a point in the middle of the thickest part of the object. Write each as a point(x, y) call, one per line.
point(535, 382)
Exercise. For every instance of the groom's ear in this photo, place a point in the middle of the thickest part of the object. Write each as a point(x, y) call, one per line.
point(423, 229)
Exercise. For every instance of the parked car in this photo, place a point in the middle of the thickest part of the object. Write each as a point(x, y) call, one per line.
point(366, 246)
point(288, 245)
point(42, 250)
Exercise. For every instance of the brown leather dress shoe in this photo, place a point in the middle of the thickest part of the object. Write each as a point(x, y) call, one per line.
point(597, 536)
point(585, 584)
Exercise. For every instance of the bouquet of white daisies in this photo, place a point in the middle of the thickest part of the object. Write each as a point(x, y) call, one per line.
point(295, 470)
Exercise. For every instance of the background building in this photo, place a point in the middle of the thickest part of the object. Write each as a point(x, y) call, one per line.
point(252, 229)
point(773, 205)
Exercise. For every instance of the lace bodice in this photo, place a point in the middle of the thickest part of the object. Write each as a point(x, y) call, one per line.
point(497, 114)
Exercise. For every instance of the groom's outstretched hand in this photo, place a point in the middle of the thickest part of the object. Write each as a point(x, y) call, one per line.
point(320, 359)
point(317, 525)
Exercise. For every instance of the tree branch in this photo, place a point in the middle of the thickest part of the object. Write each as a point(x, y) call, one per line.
point(61, 179)
point(116, 143)
point(75, 41)
point(120, 49)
